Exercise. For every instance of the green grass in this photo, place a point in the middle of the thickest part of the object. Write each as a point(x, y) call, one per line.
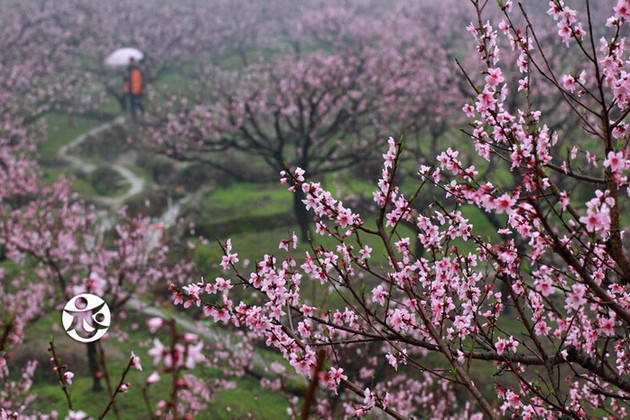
point(246, 397)
point(51, 397)
point(240, 194)
point(83, 186)
point(61, 130)
point(242, 208)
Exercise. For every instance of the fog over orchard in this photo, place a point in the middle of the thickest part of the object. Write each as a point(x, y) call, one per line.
point(451, 245)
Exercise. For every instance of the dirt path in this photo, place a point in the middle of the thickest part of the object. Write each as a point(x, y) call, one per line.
point(76, 162)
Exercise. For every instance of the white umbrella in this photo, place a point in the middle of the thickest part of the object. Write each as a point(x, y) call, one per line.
point(121, 57)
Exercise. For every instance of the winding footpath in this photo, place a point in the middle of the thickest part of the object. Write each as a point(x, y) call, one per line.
point(74, 161)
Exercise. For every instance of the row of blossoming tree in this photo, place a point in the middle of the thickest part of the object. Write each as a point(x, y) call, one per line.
point(352, 74)
point(55, 244)
point(531, 321)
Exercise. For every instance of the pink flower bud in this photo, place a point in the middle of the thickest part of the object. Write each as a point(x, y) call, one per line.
point(67, 377)
point(154, 324)
point(135, 361)
point(153, 378)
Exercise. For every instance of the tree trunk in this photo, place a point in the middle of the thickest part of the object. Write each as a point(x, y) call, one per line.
point(301, 214)
point(94, 368)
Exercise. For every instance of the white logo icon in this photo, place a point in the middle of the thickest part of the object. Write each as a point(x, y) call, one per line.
point(86, 318)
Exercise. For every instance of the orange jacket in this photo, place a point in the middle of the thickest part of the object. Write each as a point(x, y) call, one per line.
point(136, 81)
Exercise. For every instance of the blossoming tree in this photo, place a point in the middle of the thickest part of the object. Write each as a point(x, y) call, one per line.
point(324, 106)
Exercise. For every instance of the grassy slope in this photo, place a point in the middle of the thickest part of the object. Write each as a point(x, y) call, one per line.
point(246, 397)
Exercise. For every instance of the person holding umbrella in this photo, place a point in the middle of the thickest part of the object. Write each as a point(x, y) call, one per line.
point(134, 84)
point(128, 58)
